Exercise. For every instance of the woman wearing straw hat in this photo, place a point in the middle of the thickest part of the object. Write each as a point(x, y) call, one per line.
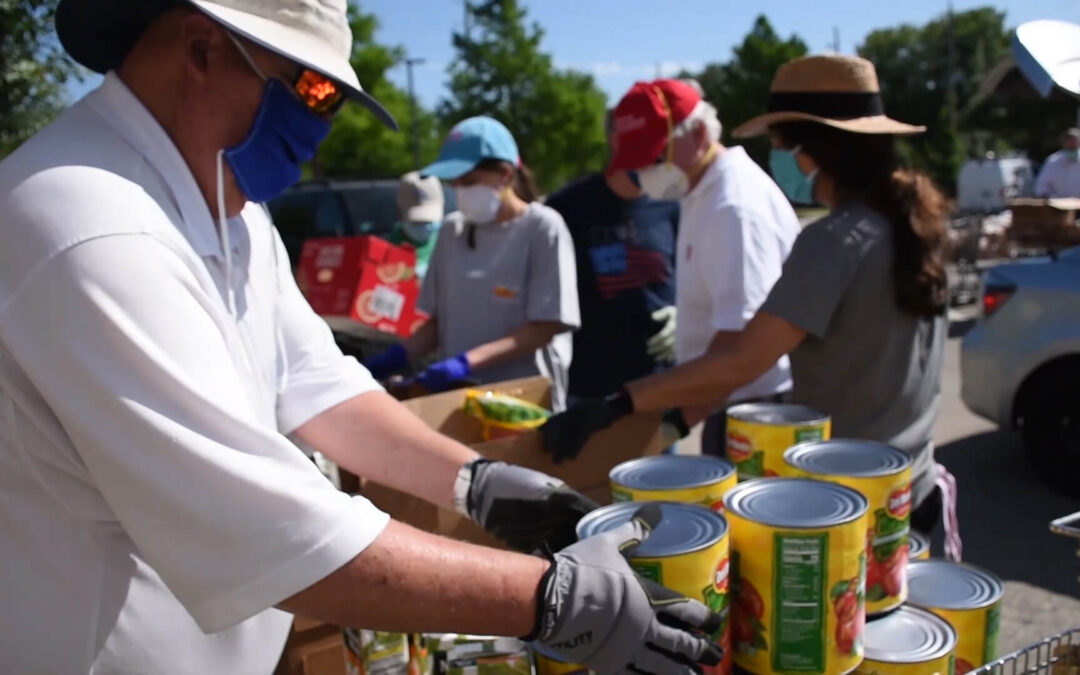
point(860, 306)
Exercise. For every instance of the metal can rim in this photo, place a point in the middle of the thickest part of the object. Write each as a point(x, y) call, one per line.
point(590, 519)
point(946, 631)
point(797, 455)
point(993, 585)
point(923, 541)
point(744, 413)
point(858, 503)
point(629, 465)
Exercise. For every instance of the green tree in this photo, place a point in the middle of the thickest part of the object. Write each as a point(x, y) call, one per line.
point(919, 86)
point(33, 70)
point(739, 88)
point(556, 116)
point(359, 145)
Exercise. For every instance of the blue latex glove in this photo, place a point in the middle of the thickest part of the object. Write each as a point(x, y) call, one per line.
point(389, 362)
point(440, 375)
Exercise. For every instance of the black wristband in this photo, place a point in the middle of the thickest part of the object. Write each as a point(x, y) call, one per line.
point(675, 418)
point(541, 597)
point(620, 403)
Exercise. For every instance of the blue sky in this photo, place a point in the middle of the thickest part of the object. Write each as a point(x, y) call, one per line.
point(620, 41)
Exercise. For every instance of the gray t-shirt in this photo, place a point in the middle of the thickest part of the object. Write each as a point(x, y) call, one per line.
point(873, 367)
point(483, 286)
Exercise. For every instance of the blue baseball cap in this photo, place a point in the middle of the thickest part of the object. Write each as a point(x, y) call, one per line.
point(470, 142)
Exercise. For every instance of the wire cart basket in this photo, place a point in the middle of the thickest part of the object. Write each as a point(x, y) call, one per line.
point(1055, 655)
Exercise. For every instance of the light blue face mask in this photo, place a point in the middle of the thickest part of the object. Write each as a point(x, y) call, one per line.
point(798, 186)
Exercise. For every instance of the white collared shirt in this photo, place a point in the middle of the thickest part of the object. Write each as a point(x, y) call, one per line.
point(1059, 177)
point(735, 230)
point(151, 507)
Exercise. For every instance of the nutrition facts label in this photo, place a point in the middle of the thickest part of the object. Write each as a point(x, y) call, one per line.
point(799, 585)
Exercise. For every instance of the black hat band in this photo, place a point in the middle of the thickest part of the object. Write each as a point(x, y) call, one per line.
point(831, 105)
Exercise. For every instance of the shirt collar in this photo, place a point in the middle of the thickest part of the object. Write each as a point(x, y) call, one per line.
point(715, 172)
point(118, 106)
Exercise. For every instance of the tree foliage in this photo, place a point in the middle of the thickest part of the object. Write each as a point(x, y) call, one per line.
point(359, 145)
point(33, 70)
point(739, 88)
point(556, 116)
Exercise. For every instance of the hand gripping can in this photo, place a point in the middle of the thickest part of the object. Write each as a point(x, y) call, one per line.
point(967, 597)
point(909, 641)
point(689, 479)
point(798, 576)
point(687, 552)
point(882, 474)
point(759, 433)
point(919, 546)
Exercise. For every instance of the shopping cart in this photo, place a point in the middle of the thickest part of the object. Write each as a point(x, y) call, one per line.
point(1056, 655)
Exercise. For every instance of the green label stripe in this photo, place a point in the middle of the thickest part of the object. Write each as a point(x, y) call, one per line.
point(800, 578)
point(619, 495)
point(651, 571)
point(993, 629)
point(751, 468)
point(814, 434)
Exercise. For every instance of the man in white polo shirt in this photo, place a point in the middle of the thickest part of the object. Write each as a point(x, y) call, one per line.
point(156, 356)
point(735, 229)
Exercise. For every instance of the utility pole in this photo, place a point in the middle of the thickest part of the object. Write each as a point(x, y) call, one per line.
point(409, 63)
point(836, 39)
point(468, 20)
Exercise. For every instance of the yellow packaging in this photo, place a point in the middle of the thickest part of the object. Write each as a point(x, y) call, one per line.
point(687, 479)
point(798, 576)
point(977, 633)
point(909, 641)
point(546, 665)
point(759, 433)
point(698, 567)
point(882, 474)
point(502, 415)
point(369, 652)
point(939, 666)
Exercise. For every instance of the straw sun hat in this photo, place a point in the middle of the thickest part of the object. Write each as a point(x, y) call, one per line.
point(838, 91)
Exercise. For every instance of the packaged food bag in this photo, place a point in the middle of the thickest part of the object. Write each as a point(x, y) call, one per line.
point(503, 415)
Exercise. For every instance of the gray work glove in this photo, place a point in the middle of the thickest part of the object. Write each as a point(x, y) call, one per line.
point(527, 509)
point(661, 346)
point(597, 612)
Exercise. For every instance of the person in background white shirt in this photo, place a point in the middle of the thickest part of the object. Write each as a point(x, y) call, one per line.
point(1060, 173)
point(735, 229)
point(156, 356)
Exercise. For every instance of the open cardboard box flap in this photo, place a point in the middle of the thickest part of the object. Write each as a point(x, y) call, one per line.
point(631, 437)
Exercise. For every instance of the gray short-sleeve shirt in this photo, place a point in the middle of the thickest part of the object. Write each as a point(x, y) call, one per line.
point(873, 367)
point(484, 284)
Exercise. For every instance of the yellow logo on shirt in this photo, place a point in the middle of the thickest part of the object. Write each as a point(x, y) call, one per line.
point(505, 293)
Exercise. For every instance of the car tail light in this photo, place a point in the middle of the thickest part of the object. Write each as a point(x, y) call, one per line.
point(994, 297)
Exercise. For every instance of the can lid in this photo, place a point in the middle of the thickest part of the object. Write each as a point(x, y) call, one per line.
point(908, 635)
point(918, 544)
point(795, 502)
point(683, 528)
point(777, 413)
point(671, 472)
point(847, 457)
point(940, 584)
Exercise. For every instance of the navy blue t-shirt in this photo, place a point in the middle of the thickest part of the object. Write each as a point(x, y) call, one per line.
point(625, 263)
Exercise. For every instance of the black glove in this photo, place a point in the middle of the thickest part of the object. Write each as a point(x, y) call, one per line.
point(597, 612)
point(527, 509)
point(565, 434)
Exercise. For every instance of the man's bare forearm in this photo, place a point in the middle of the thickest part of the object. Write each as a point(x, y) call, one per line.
point(377, 438)
point(415, 582)
point(522, 343)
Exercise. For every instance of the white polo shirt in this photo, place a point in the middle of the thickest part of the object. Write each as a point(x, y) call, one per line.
point(735, 229)
point(1059, 177)
point(151, 508)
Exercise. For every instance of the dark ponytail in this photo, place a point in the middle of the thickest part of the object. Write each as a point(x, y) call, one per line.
point(523, 183)
point(865, 168)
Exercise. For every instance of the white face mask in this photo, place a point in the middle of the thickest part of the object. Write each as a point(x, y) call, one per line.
point(478, 203)
point(662, 181)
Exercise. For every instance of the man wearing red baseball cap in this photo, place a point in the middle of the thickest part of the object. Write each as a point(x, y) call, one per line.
point(735, 230)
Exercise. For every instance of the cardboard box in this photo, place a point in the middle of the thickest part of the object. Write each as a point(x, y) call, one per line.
point(631, 437)
point(314, 648)
point(364, 278)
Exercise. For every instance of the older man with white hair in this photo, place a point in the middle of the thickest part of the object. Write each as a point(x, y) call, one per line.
point(735, 231)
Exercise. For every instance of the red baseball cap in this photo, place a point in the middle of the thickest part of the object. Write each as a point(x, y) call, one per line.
point(643, 120)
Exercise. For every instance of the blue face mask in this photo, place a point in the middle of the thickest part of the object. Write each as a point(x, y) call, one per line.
point(798, 186)
point(285, 134)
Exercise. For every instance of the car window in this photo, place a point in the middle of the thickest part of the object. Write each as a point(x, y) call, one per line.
point(307, 214)
point(372, 208)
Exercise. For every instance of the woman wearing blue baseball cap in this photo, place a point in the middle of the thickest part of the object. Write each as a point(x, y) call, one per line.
point(501, 287)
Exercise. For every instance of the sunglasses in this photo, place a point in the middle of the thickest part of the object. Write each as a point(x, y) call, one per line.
point(322, 95)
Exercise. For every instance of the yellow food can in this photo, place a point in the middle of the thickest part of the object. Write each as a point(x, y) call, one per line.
point(909, 641)
point(882, 474)
point(689, 479)
point(919, 546)
point(686, 552)
point(798, 576)
point(967, 597)
point(759, 433)
point(547, 664)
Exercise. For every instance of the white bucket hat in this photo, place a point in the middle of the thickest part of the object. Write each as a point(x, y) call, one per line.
point(313, 33)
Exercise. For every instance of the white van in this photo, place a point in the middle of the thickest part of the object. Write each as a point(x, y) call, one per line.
point(987, 185)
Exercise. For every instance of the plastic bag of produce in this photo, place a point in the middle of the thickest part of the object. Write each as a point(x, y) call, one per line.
point(503, 415)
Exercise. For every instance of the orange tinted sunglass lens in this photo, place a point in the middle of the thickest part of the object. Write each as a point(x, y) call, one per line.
point(320, 93)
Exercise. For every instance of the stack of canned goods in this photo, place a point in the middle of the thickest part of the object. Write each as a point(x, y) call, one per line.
point(813, 545)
